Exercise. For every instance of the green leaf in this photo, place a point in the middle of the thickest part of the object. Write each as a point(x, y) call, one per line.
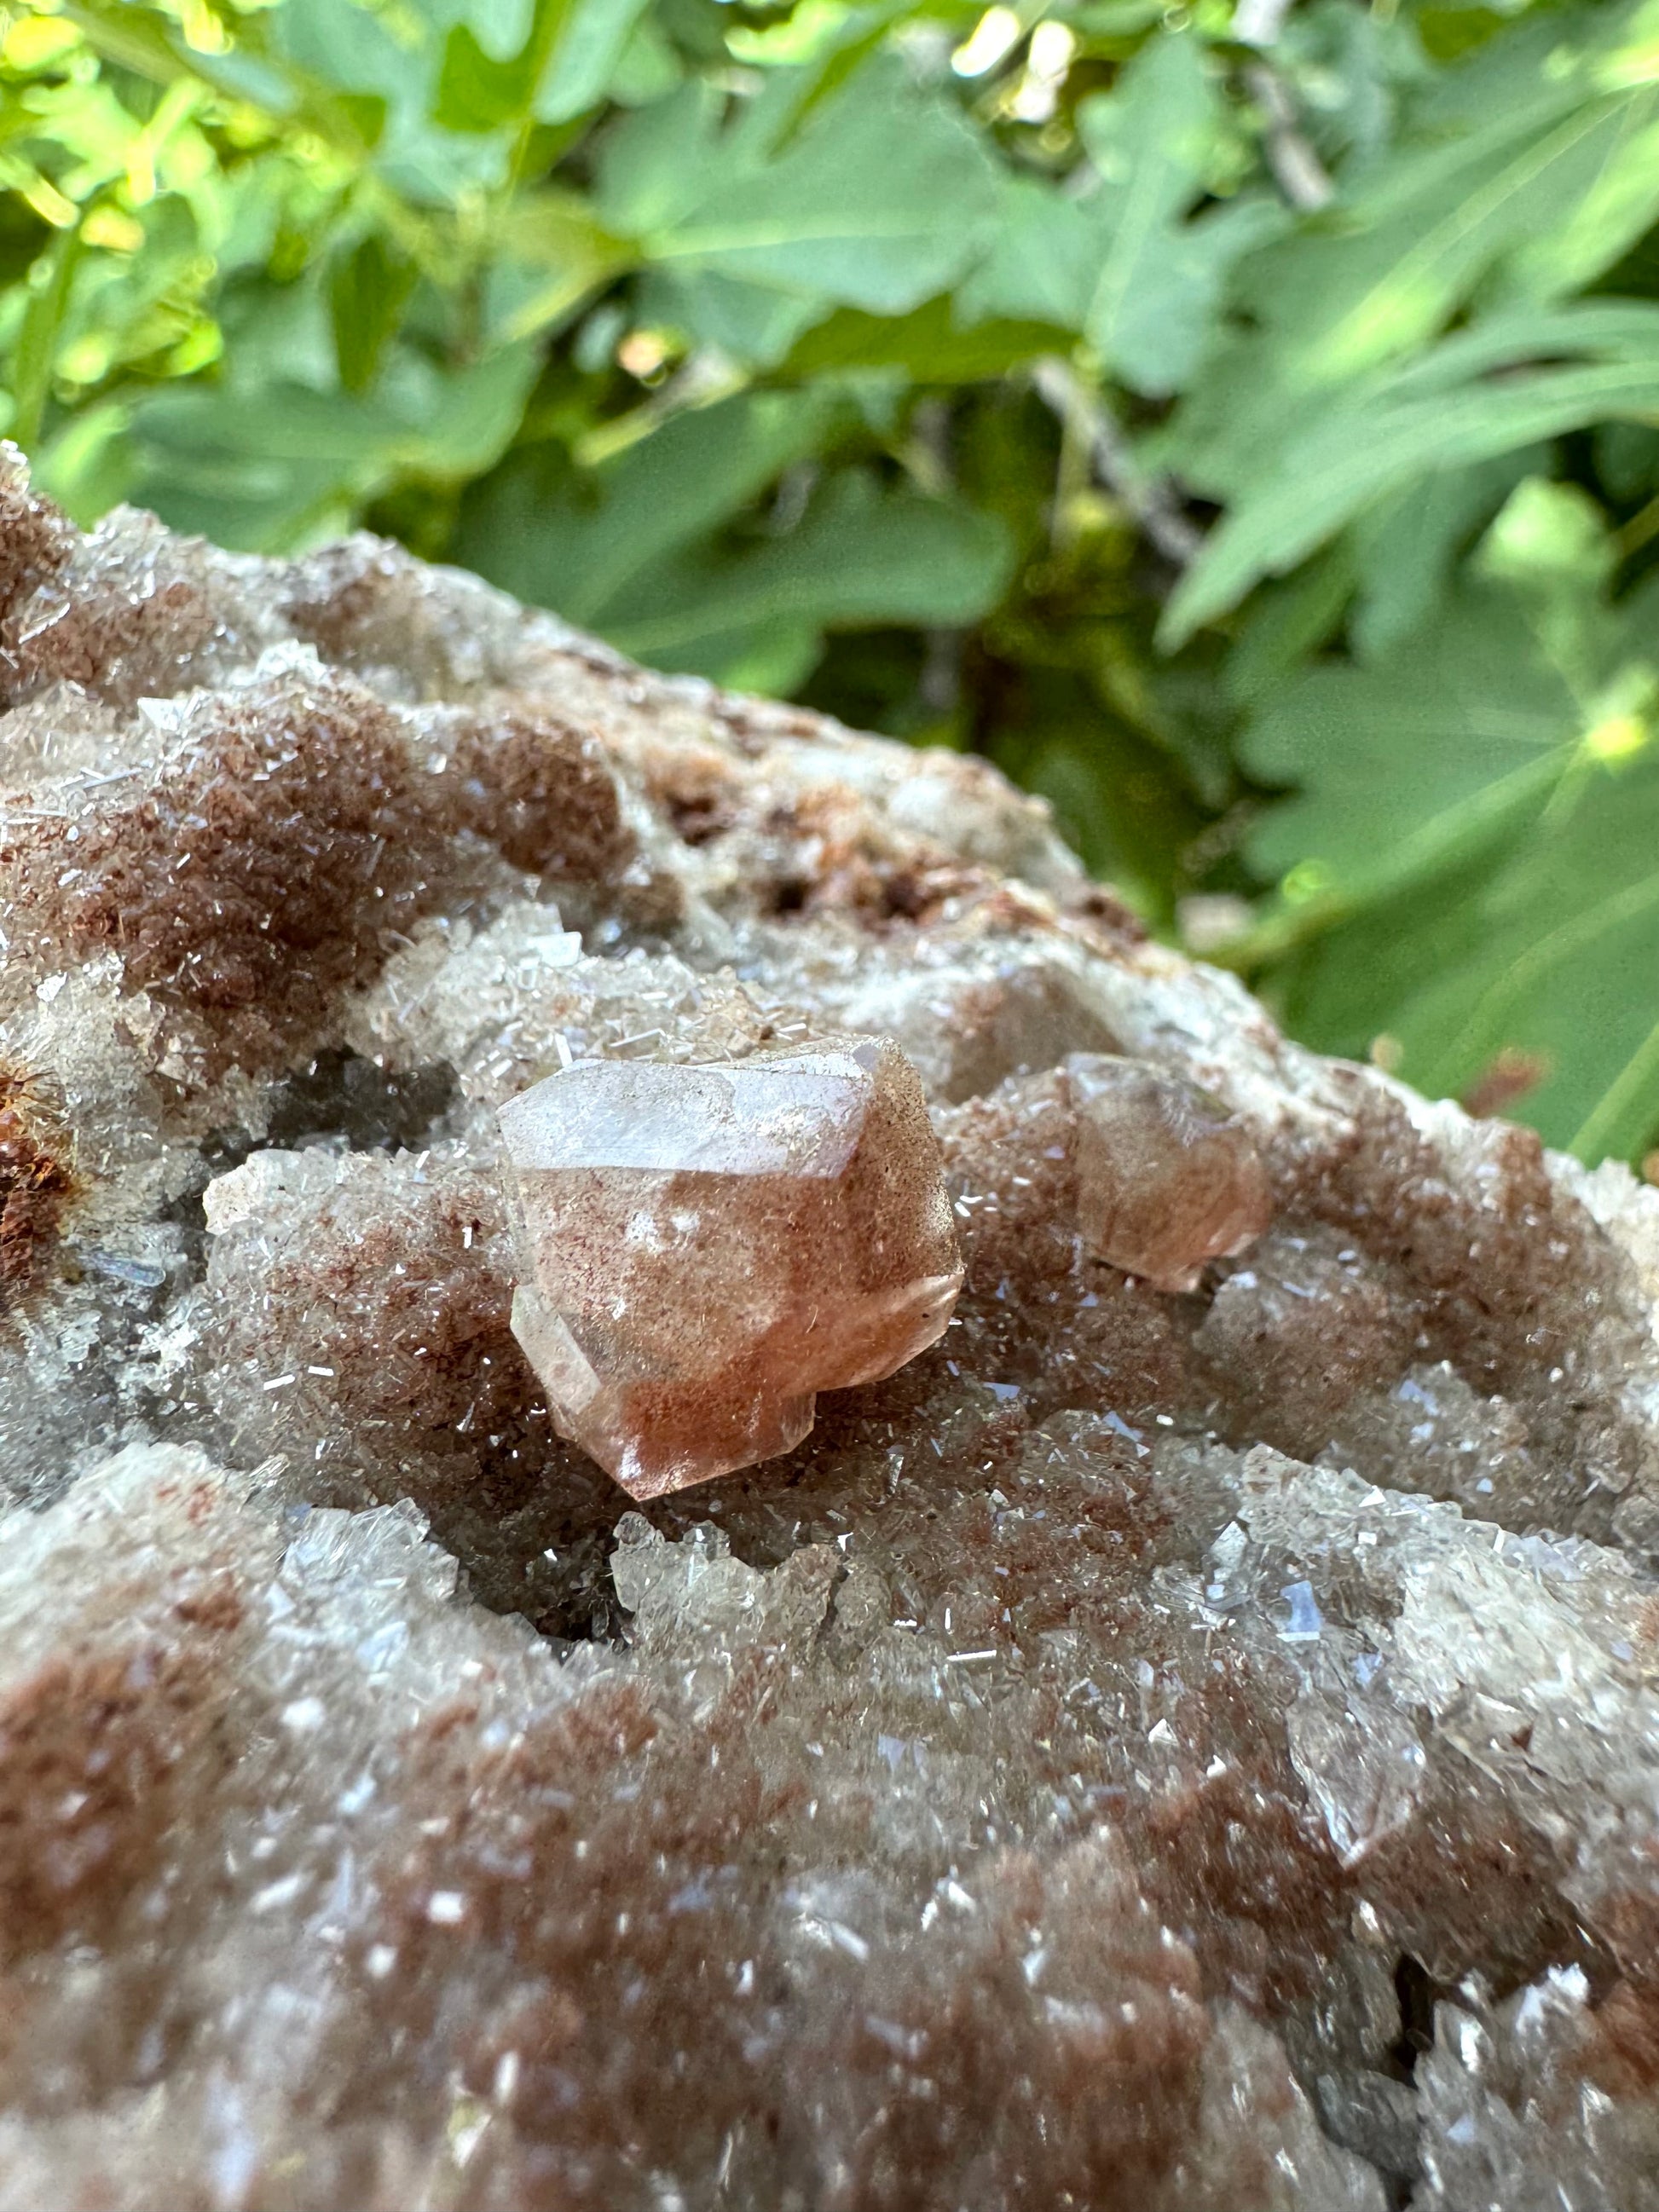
point(1123, 266)
point(49, 283)
point(368, 288)
point(1406, 550)
point(552, 253)
point(1041, 262)
point(273, 469)
point(859, 556)
point(748, 323)
point(1154, 140)
point(1402, 764)
point(1503, 161)
point(1471, 866)
point(576, 544)
point(882, 198)
point(592, 36)
point(476, 92)
point(1547, 956)
point(1447, 410)
point(930, 345)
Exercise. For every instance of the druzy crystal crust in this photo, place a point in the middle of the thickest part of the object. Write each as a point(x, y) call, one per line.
point(707, 1247)
point(1187, 1742)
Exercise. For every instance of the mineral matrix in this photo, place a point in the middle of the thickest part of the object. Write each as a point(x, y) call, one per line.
point(1180, 1749)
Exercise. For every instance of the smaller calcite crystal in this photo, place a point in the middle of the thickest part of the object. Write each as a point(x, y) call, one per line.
point(706, 1247)
point(1167, 1178)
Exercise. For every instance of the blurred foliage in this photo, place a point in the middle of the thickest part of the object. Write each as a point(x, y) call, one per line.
point(1240, 421)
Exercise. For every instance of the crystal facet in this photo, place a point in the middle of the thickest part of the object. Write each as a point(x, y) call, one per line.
point(706, 1246)
point(1166, 1178)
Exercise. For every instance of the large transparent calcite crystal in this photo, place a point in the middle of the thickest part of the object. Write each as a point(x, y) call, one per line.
point(708, 1246)
point(1187, 1740)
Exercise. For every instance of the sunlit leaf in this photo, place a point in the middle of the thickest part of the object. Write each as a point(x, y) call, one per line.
point(577, 543)
point(1451, 410)
point(849, 209)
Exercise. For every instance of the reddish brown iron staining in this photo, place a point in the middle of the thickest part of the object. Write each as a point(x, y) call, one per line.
point(539, 791)
point(37, 1181)
point(36, 541)
point(1510, 1277)
point(94, 1748)
point(846, 864)
point(280, 847)
point(260, 873)
point(119, 649)
point(405, 1290)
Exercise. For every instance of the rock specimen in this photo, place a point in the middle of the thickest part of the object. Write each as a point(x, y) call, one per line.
point(1164, 1749)
point(710, 1245)
point(1167, 1178)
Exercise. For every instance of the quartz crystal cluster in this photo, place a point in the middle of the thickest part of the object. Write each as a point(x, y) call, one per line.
point(1185, 1739)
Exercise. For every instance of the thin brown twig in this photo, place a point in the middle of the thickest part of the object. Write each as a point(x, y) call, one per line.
point(1297, 170)
point(1151, 500)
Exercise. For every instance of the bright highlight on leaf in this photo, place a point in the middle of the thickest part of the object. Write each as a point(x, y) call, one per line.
point(1618, 739)
point(1309, 879)
point(994, 37)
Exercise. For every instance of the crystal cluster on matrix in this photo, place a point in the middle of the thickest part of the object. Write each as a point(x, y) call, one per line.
point(1178, 1733)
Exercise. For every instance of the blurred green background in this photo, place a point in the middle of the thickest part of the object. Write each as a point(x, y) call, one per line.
point(1240, 421)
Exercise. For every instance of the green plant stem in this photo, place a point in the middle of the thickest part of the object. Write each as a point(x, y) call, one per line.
point(1627, 1112)
point(37, 342)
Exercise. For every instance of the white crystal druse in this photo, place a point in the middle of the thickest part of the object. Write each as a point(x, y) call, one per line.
point(1129, 1678)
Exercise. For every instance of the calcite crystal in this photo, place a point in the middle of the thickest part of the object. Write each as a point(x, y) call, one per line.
point(1167, 1178)
point(708, 1246)
point(1186, 1741)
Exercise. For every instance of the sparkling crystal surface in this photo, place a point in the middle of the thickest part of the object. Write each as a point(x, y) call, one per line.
point(709, 1246)
point(1188, 1740)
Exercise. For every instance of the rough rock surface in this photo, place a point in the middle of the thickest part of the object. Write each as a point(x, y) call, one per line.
point(1170, 1751)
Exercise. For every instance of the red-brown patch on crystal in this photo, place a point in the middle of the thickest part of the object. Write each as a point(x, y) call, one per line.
point(844, 861)
point(565, 1884)
point(36, 540)
point(1620, 2049)
point(1509, 1277)
point(698, 788)
point(981, 2070)
point(1294, 1333)
point(121, 648)
point(37, 1181)
point(362, 602)
point(1467, 1883)
point(401, 1284)
point(92, 1748)
point(264, 871)
point(539, 791)
point(623, 1901)
point(1096, 914)
point(1240, 1863)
